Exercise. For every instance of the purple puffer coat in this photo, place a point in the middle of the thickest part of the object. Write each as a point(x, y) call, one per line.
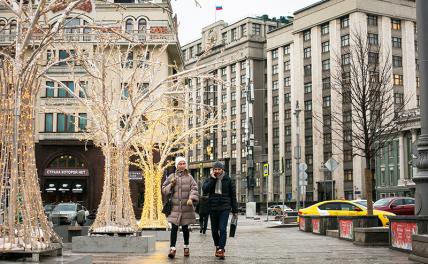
point(185, 188)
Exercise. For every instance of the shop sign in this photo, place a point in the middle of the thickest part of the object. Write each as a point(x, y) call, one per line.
point(401, 234)
point(345, 229)
point(66, 172)
point(135, 175)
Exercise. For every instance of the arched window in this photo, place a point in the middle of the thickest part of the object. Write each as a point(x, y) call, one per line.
point(129, 27)
point(12, 27)
point(142, 25)
point(67, 162)
point(2, 27)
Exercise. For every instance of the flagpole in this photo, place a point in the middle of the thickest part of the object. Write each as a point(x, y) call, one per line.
point(215, 12)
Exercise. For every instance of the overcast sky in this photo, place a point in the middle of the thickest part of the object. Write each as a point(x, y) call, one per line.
point(192, 18)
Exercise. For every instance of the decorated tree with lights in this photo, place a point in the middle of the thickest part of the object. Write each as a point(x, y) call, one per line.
point(23, 224)
point(167, 136)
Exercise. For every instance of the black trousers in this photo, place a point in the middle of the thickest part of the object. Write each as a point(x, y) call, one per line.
point(203, 222)
point(174, 231)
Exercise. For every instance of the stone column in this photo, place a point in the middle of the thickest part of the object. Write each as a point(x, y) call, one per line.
point(270, 120)
point(403, 160)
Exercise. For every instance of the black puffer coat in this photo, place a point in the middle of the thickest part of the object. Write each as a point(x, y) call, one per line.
point(224, 201)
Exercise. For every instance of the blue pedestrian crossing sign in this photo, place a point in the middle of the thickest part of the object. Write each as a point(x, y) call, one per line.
point(266, 169)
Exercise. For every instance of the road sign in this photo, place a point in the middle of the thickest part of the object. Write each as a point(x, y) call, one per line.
point(303, 166)
point(303, 178)
point(331, 164)
point(266, 169)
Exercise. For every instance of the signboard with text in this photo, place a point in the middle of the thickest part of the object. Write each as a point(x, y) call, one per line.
point(345, 229)
point(401, 234)
point(66, 172)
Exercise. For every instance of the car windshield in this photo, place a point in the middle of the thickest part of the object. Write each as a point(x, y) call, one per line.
point(49, 207)
point(65, 207)
point(362, 202)
point(382, 202)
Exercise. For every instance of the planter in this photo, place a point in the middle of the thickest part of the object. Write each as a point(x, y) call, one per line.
point(305, 223)
point(401, 229)
point(348, 223)
point(321, 223)
point(419, 248)
point(371, 236)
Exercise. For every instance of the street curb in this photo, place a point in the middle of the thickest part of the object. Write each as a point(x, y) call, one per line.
point(284, 226)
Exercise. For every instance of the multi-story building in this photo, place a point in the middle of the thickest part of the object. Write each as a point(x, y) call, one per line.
point(236, 54)
point(70, 169)
point(300, 59)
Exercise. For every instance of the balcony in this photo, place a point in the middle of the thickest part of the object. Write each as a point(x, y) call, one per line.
point(60, 136)
point(153, 35)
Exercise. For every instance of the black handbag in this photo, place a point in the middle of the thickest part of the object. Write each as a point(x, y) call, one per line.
point(167, 208)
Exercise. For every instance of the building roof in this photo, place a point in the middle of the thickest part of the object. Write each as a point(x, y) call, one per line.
point(310, 6)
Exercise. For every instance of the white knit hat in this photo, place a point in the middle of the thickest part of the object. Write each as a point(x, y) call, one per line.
point(178, 159)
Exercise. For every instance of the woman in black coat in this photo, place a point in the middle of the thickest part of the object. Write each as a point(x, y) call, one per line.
point(202, 209)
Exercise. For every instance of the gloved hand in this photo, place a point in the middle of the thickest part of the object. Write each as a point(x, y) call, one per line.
point(189, 202)
point(173, 181)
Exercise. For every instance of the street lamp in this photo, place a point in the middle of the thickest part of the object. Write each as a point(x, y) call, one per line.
point(297, 153)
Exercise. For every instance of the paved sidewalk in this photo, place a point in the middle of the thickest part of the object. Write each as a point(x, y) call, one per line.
point(256, 243)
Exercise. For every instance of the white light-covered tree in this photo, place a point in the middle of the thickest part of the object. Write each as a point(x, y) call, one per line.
point(23, 224)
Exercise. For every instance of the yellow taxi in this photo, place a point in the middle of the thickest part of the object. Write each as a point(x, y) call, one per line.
point(343, 208)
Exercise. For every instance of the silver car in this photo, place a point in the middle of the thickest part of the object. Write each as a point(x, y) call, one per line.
point(69, 214)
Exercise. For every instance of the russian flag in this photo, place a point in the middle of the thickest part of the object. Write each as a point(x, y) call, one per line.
point(218, 7)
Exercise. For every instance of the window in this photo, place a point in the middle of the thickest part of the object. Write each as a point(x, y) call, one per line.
point(325, 29)
point(346, 59)
point(63, 92)
point(243, 30)
point(257, 29)
point(347, 116)
point(344, 40)
point(287, 65)
point(125, 91)
point(418, 82)
point(50, 89)
point(307, 70)
point(326, 65)
point(308, 123)
point(398, 98)
point(287, 130)
point(287, 50)
point(346, 77)
point(243, 79)
point(373, 39)
point(50, 54)
point(327, 120)
point(371, 20)
point(347, 155)
point(344, 22)
point(234, 34)
point(233, 139)
point(347, 136)
point(232, 96)
point(396, 24)
point(308, 88)
point(307, 35)
point(275, 69)
point(396, 42)
point(398, 79)
point(397, 61)
point(330, 206)
point(142, 25)
point(276, 150)
point(326, 101)
point(308, 105)
point(287, 98)
point(327, 139)
point(233, 68)
point(307, 53)
point(275, 100)
point(275, 116)
point(83, 121)
point(275, 54)
point(287, 114)
point(65, 123)
point(326, 83)
point(373, 57)
point(276, 132)
point(275, 85)
point(243, 65)
point(83, 85)
point(63, 56)
point(129, 26)
point(308, 140)
point(48, 122)
point(223, 71)
point(325, 46)
point(288, 163)
point(287, 81)
point(233, 110)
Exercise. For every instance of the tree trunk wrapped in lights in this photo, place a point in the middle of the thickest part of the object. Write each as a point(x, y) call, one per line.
point(23, 224)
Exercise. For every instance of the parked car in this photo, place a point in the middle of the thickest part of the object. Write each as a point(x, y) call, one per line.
point(48, 209)
point(343, 208)
point(69, 214)
point(278, 209)
point(242, 209)
point(396, 205)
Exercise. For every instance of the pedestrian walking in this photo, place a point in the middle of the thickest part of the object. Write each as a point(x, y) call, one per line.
point(184, 194)
point(221, 192)
point(202, 209)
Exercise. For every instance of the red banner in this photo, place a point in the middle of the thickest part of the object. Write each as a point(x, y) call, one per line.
point(401, 234)
point(316, 226)
point(301, 223)
point(345, 229)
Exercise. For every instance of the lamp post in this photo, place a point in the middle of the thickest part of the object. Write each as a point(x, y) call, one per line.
point(421, 178)
point(297, 153)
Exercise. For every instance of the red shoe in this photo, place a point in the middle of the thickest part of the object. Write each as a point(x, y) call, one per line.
point(186, 252)
point(171, 253)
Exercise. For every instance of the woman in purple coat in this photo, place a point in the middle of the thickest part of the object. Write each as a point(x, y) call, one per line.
point(185, 194)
